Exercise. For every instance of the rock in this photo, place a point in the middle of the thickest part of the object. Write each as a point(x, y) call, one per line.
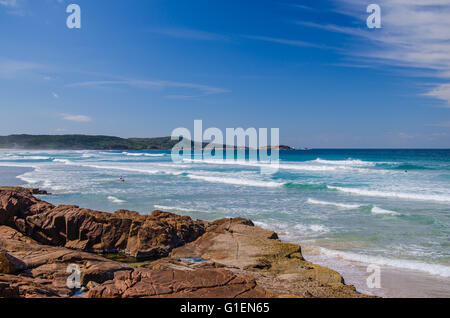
point(140, 236)
point(251, 251)
point(34, 191)
point(43, 272)
point(92, 285)
point(226, 258)
point(170, 280)
point(7, 290)
point(9, 264)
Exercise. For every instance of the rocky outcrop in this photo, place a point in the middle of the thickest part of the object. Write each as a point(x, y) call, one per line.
point(41, 271)
point(34, 191)
point(227, 258)
point(143, 237)
point(176, 280)
point(276, 266)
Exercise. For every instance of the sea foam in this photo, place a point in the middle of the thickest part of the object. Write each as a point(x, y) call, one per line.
point(434, 269)
point(399, 195)
point(339, 205)
point(115, 200)
point(236, 181)
point(377, 210)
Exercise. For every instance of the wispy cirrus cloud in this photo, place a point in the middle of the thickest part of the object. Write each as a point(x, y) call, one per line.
point(190, 34)
point(19, 7)
point(10, 68)
point(282, 41)
point(201, 90)
point(415, 35)
point(441, 92)
point(8, 3)
point(13, 7)
point(76, 118)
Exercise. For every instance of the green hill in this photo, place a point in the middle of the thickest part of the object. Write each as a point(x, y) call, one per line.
point(84, 142)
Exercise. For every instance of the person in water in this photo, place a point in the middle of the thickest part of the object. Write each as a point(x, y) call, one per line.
point(121, 179)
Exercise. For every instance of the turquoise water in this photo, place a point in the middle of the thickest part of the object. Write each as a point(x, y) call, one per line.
point(386, 207)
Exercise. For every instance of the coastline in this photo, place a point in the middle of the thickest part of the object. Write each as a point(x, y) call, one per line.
point(254, 258)
point(396, 282)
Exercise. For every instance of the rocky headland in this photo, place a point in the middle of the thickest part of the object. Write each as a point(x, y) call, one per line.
point(129, 255)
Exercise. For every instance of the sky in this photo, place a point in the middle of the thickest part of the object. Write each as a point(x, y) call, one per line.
point(313, 69)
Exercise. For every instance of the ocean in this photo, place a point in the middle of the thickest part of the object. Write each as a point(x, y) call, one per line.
point(347, 208)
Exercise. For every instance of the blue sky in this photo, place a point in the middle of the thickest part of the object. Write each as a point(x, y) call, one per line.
point(311, 68)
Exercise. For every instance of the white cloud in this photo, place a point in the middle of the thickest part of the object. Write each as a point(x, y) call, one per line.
point(14, 7)
point(190, 34)
point(441, 92)
point(8, 3)
point(10, 68)
point(77, 118)
point(203, 90)
point(281, 41)
point(415, 34)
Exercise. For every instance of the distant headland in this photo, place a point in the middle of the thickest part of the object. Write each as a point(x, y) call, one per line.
point(88, 142)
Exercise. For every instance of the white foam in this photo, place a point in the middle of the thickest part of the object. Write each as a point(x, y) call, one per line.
point(24, 158)
point(313, 228)
point(262, 224)
point(109, 167)
point(308, 167)
point(377, 210)
point(116, 200)
point(392, 194)
point(35, 158)
point(236, 181)
point(339, 205)
point(285, 166)
point(348, 162)
point(27, 179)
point(173, 208)
point(18, 165)
point(65, 161)
point(434, 269)
point(88, 155)
point(134, 154)
point(155, 154)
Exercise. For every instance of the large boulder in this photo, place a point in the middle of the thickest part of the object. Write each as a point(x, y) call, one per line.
point(170, 280)
point(141, 236)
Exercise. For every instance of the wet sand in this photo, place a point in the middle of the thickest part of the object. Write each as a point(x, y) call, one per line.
point(8, 175)
point(395, 282)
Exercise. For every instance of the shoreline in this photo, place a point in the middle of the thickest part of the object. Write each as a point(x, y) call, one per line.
point(396, 281)
point(261, 264)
